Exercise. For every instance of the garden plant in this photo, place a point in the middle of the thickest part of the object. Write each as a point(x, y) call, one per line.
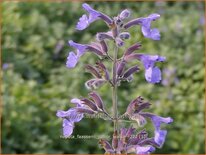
point(124, 139)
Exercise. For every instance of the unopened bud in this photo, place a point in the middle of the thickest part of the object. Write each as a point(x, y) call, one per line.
point(124, 35)
point(124, 14)
point(120, 68)
point(119, 42)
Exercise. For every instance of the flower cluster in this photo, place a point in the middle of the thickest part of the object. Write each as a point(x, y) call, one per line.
point(124, 140)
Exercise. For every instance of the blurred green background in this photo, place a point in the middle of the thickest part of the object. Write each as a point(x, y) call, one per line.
point(36, 82)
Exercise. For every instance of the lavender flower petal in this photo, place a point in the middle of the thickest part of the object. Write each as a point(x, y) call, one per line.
point(160, 136)
point(149, 60)
point(82, 23)
point(67, 128)
point(70, 114)
point(146, 27)
point(77, 102)
point(81, 49)
point(153, 75)
point(124, 14)
point(157, 120)
point(144, 149)
point(72, 60)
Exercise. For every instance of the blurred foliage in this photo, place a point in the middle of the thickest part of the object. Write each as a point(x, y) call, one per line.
point(36, 82)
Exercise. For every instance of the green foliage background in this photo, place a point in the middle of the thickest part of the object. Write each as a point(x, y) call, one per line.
point(36, 82)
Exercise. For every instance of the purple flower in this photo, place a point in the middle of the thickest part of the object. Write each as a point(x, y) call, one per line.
point(81, 49)
point(134, 111)
point(160, 135)
point(157, 120)
point(152, 73)
point(67, 128)
point(71, 116)
point(145, 23)
point(144, 149)
point(73, 58)
point(5, 66)
point(124, 14)
point(94, 15)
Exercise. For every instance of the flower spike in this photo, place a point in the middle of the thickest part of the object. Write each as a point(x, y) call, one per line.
point(124, 140)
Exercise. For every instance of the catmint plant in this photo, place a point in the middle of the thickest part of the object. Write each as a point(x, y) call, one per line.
point(124, 140)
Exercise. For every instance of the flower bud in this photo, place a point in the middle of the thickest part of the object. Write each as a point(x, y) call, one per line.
point(132, 48)
point(104, 46)
point(131, 71)
point(119, 42)
point(124, 35)
point(95, 50)
point(120, 68)
point(124, 14)
point(102, 36)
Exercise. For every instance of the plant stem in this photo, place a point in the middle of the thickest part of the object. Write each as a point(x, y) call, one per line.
point(114, 90)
